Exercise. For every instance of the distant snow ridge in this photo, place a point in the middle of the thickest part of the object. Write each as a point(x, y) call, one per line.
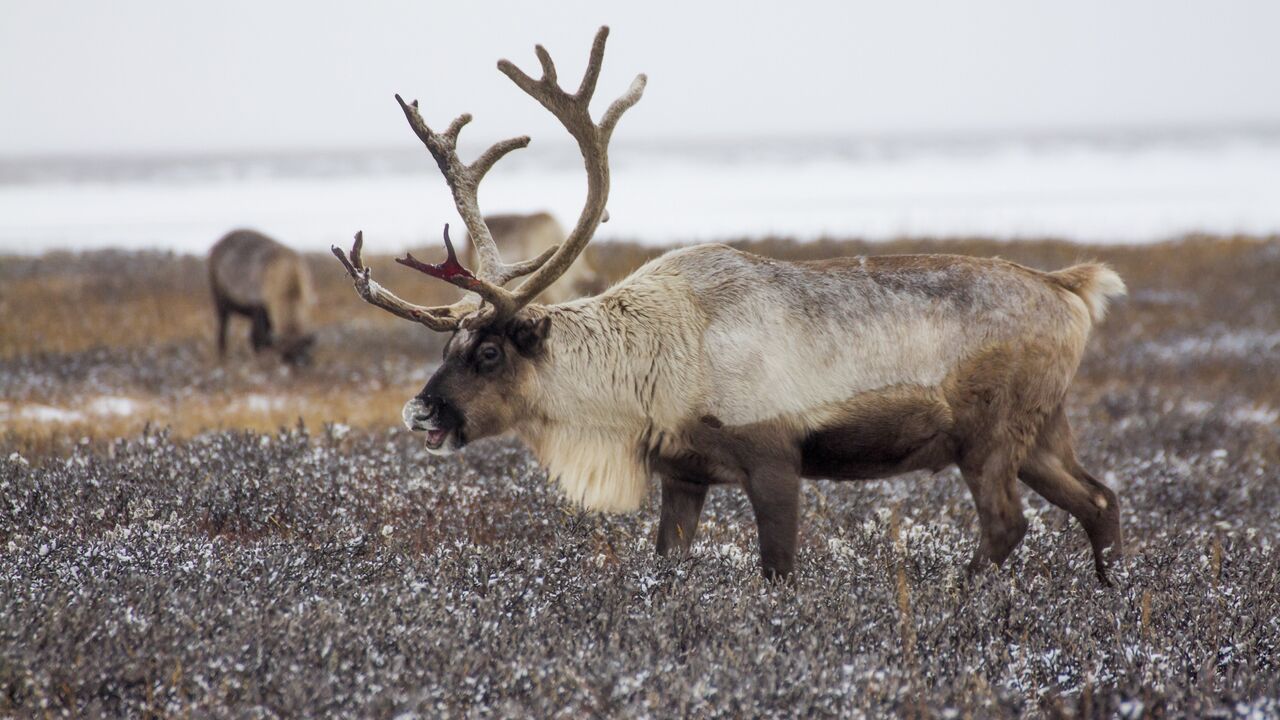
point(1101, 190)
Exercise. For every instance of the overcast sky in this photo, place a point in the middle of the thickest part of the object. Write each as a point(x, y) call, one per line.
point(158, 76)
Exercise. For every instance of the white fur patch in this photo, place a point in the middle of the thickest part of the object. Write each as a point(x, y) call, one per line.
point(1094, 283)
point(1106, 285)
point(597, 470)
point(772, 366)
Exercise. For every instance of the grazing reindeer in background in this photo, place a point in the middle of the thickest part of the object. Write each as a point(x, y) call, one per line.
point(255, 276)
point(530, 236)
point(713, 366)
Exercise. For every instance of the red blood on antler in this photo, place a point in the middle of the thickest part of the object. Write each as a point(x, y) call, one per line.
point(450, 270)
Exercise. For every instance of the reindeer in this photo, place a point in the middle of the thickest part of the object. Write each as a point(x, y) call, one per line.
point(255, 276)
point(529, 235)
point(711, 366)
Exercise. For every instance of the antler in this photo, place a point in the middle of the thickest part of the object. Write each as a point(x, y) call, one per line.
point(486, 284)
point(437, 318)
point(464, 181)
point(593, 141)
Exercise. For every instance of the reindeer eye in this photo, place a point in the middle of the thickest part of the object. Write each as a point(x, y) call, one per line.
point(489, 354)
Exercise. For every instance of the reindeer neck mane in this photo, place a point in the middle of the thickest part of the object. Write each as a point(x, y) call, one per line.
point(611, 382)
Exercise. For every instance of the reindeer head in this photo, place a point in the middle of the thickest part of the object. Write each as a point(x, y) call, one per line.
point(483, 386)
point(296, 350)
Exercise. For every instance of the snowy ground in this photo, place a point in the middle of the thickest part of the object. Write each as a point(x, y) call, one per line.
point(341, 570)
point(1134, 187)
point(249, 574)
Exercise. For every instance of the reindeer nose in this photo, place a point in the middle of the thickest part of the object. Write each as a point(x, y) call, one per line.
point(428, 408)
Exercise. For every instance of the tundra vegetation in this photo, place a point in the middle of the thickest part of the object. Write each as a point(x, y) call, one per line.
point(241, 557)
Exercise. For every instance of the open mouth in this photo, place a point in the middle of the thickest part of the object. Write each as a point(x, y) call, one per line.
point(436, 438)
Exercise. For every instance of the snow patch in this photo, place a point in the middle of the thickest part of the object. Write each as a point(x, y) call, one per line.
point(104, 406)
point(258, 402)
point(49, 414)
point(1236, 344)
point(1255, 414)
point(113, 405)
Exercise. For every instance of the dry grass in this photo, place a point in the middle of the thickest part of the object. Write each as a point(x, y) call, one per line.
point(188, 416)
point(138, 328)
point(74, 327)
point(47, 308)
point(66, 303)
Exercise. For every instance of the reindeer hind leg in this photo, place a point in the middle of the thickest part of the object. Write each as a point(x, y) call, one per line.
point(1051, 469)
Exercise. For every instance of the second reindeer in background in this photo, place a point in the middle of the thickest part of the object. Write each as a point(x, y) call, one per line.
point(254, 276)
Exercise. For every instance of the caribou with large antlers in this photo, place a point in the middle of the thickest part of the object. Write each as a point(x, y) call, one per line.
point(713, 366)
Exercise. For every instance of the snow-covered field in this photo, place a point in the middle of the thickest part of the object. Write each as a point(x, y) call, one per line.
point(336, 568)
point(1132, 187)
point(353, 573)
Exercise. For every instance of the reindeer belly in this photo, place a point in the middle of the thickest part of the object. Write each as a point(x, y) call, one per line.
point(880, 433)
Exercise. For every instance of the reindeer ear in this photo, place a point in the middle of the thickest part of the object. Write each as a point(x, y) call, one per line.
point(529, 334)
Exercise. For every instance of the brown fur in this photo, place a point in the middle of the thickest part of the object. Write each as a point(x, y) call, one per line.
point(252, 275)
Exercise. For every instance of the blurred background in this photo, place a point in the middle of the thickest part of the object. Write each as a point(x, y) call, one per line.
point(146, 124)
point(135, 134)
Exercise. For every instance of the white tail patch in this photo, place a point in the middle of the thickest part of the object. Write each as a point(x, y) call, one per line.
point(1094, 283)
point(596, 469)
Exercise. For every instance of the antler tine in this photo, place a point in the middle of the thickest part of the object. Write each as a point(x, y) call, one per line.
point(446, 318)
point(618, 107)
point(573, 111)
point(524, 267)
point(455, 127)
point(494, 154)
point(588, 86)
point(453, 272)
point(354, 266)
point(464, 181)
point(548, 66)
